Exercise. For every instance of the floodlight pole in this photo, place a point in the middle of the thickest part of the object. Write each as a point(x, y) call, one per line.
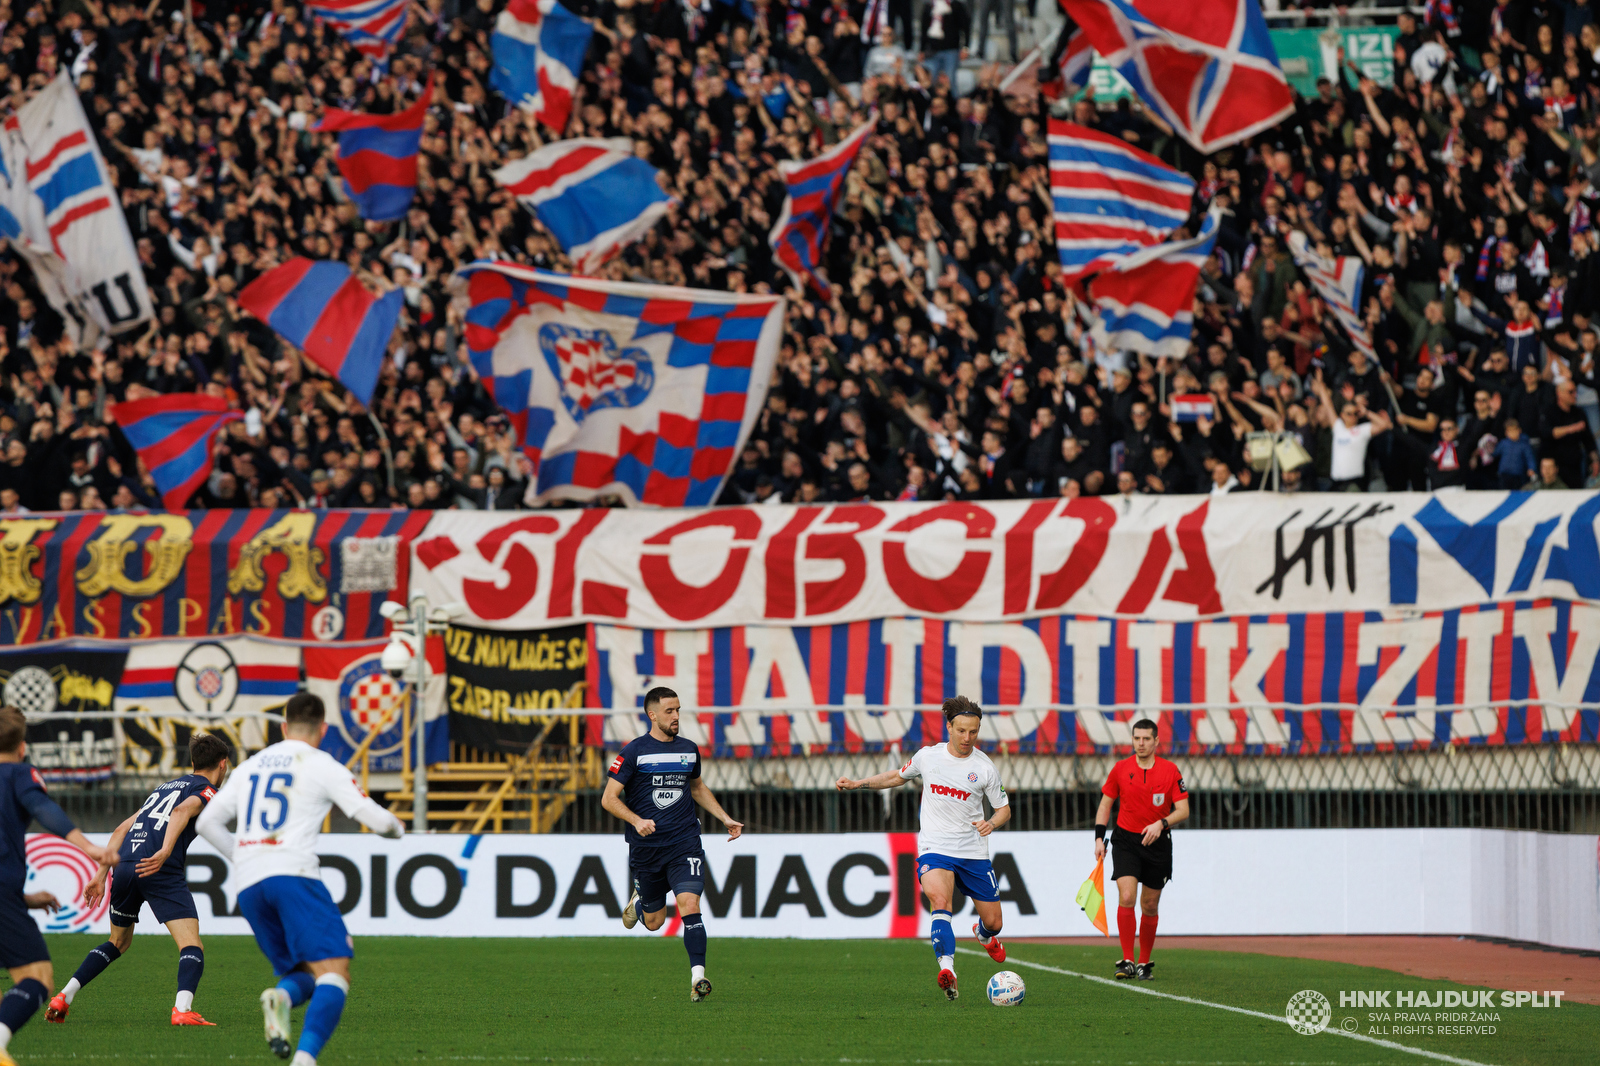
point(419, 779)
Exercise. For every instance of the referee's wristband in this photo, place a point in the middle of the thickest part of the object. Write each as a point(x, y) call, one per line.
point(1099, 832)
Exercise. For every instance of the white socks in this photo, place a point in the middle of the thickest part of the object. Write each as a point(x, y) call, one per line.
point(5, 1036)
point(184, 1002)
point(696, 973)
point(71, 990)
point(303, 1058)
point(947, 962)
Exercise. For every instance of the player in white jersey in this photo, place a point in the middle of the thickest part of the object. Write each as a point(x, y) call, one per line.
point(952, 845)
point(280, 796)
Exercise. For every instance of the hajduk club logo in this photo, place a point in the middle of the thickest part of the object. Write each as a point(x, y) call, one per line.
point(57, 867)
point(973, 777)
point(370, 699)
point(1308, 1012)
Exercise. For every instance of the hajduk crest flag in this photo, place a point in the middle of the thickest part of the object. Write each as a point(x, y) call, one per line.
point(1145, 302)
point(814, 187)
point(373, 27)
point(1205, 66)
point(643, 391)
point(378, 156)
point(364, 700)
point(322, 308)
point(593, 195)
point(538, 54)
point(175, 437)
point(1110, 199)
point(1338, 282)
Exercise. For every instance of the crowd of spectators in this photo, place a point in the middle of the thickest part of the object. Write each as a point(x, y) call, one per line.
point(952, 361)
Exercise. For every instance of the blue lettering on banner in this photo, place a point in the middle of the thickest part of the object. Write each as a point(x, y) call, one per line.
point(1579, 562)
point(1471, 545)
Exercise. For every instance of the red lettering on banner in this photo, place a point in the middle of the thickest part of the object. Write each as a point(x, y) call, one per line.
point(1196, 583)
point(687, 602)
point(949, 593)
point(946, 790)
point(488, 599)
point(825, 597)
point(780, 563)
point(1019, 555)
point(1098, 517)
point(566, 565)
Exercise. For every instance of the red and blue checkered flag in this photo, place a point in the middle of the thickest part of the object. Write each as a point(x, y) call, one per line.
point(378, 156)
point(643, 391)
point(175, 437)
point(814, 188)
point(1205, 66)
point(372, 26)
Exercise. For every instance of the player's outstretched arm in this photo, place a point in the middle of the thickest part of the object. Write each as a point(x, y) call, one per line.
point(54, 820)
point(176, 824)
point(612, 804)
point(701, 794)
point(887, 779)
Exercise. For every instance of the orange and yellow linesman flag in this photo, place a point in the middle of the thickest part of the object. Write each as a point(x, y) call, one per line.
point(1093, 900)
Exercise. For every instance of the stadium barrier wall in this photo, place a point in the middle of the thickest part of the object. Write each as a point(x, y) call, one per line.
point(1494, 883)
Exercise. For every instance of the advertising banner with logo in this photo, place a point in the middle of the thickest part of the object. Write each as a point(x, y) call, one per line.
point(58, 682)
point(359, 697)
point(311, 576)
point(498, 681)
point(864, 885)
point(1159, 558)
point(1393, 677)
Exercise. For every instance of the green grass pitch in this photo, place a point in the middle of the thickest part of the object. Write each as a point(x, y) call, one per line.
point(626, 1000)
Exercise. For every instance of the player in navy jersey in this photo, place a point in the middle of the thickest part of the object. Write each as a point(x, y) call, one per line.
point(149, 853)
point(22, 949)
point(652, 783)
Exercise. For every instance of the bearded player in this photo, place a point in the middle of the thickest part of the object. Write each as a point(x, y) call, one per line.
point(1150, 800)
point(952, 844)
point(149, 853)
point(654, 786)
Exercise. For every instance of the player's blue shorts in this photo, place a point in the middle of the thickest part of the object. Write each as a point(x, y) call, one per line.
point(20, 940)
point(167, 893)
point(682, 869)
point(975, 876)
point(295, 920)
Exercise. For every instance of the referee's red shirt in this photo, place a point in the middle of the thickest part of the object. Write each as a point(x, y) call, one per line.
point(1146, 795)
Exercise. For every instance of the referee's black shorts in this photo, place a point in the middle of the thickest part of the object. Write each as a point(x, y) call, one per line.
point(1130, 857)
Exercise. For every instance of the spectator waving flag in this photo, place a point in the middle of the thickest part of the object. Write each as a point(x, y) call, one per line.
point(372, 26)
point(643, 391)
point(1338, 282)
point(1110, 198)
point(324, 310)
point(1145, 302)
point(595, 196)
point(1207, 67)
point(814, 188)
point(538, 55)
point(175, 437)
point(1191, 407)
point(378, 156)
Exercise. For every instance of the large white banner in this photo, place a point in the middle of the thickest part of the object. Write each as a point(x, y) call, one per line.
point(1526, 886)
point(1154, 558)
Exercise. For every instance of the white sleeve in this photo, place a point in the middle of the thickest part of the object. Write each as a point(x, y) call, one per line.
point(348, 797)
point(213, 821)
point(994, 790)
point(913, 767)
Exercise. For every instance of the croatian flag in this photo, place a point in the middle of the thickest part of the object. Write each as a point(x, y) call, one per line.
point(232, 680)
point(814, 187)
point(175, 437)
point(1145, 302)
point(643, 391)
point(538, 55)
point(1338, 282)
point(324, 310)
point(1205, 66)
point(1110, 199)
point(378, 156)
point(1191, 407)
point(595, 196)
point(372, 26)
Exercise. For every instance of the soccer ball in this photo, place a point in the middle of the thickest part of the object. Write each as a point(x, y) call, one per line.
point(1006, 989)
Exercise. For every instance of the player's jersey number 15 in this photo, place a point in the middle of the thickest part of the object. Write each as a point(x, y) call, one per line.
point(274, 805)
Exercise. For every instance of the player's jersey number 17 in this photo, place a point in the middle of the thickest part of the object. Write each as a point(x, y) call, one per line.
point(273, 806)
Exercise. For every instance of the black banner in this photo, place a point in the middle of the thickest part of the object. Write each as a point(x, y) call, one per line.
point(41, 682)
point(504, 685)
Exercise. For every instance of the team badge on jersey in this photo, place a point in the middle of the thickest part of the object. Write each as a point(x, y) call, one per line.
point(1158, 798)
point(973, 777)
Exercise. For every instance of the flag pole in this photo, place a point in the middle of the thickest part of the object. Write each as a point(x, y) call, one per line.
point(1030, 59)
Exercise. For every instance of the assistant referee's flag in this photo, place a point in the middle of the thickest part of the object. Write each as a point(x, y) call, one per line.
point(1093, 900)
